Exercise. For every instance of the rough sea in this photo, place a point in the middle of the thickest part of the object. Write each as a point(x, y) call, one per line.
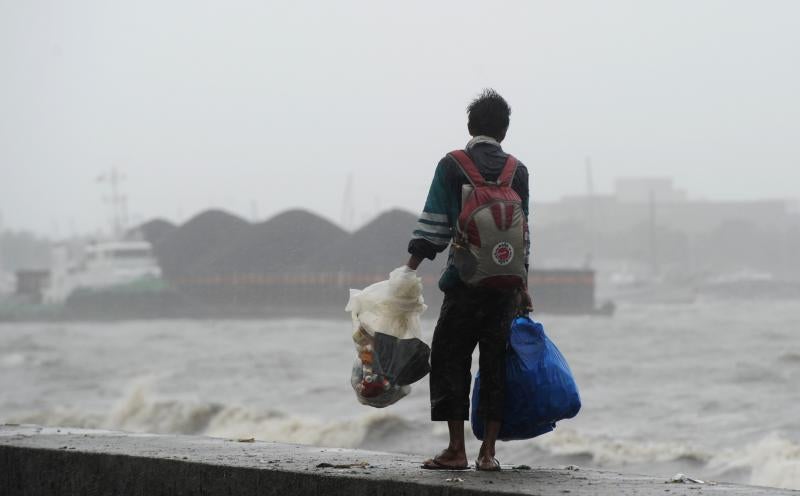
point(710, 389)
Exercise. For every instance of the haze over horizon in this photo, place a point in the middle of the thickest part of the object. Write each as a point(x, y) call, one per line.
point(258, 108)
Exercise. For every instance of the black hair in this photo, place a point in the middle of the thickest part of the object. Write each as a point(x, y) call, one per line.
point(488, 115)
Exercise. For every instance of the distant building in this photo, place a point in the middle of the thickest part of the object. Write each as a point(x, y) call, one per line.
point(793, 206)
point(629, 206)
point(6, 283)
point(31, 284)
point(642, 189)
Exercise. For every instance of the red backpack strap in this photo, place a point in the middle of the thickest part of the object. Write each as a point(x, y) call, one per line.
point(468, 167)
point(507, 174)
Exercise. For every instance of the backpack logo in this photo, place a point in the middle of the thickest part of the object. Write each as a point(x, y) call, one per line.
point(503, 253)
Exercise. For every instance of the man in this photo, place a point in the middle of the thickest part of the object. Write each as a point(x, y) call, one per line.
point(471, 314)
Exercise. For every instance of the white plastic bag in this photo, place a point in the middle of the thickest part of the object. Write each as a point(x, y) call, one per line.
point(392, 306)
point(387, 334)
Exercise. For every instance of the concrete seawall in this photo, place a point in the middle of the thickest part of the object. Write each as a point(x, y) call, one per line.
point(48, 461)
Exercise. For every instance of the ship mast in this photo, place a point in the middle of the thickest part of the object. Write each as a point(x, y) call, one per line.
point(119, 203)
point(590, 236)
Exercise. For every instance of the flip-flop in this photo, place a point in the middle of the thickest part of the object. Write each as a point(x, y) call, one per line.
point(495, 466)
point(434, 464)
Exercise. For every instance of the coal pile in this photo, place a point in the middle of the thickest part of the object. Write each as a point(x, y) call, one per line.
point(286, 243)
point(215, 243)
point(378, 246)
point(180, 251)
point(223, 265)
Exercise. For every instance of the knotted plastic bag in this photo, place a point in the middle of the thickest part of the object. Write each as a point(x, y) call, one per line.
point(388, 338)
point(539, 389)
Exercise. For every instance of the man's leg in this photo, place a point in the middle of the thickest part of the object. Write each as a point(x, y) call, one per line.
point(454, 456)
point(492, 344)
point(486, 460)
point(451, 357)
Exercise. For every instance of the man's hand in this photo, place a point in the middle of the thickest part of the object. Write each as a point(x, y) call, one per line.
point(525, 303)
point(413, 262)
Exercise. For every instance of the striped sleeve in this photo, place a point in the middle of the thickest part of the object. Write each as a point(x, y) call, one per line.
point(434, 223)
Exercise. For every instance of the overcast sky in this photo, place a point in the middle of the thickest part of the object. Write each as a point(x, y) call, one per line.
point(256, 107)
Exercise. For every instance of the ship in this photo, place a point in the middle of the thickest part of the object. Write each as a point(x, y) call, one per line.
point(109, 279)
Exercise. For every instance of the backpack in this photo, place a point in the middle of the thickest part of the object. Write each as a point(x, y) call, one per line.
point(489, 242)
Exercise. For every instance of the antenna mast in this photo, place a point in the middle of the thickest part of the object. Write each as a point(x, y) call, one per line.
point(590, 241)
point(119, 203)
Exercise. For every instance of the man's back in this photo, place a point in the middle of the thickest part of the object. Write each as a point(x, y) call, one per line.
point(437, 223)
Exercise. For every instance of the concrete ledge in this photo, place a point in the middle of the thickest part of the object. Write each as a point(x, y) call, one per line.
point(48, 461)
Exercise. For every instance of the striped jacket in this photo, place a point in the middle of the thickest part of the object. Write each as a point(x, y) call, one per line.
point(437, 222)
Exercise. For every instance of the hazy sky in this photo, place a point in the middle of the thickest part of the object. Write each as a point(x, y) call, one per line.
point(231, 104)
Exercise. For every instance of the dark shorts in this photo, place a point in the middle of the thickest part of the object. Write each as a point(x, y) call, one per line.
point(470, 317)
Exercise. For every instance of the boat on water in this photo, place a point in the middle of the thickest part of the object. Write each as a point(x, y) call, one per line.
point(109, 279)
point(99, 280)
point(101, 266)
point(122, 279)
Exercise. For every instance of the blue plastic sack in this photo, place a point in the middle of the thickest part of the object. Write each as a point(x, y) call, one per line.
point(540, 389)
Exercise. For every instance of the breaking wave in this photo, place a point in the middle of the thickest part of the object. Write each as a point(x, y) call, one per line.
point(140, 411)
point(771, 461)
point(604, 452)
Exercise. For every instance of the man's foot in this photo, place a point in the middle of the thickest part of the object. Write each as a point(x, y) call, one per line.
point(447, 460)
point(487, 463)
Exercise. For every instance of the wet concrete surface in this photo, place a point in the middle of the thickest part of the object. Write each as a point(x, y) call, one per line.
point(45, 460)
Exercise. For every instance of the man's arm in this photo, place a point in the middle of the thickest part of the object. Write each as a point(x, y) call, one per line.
point(433, 231)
